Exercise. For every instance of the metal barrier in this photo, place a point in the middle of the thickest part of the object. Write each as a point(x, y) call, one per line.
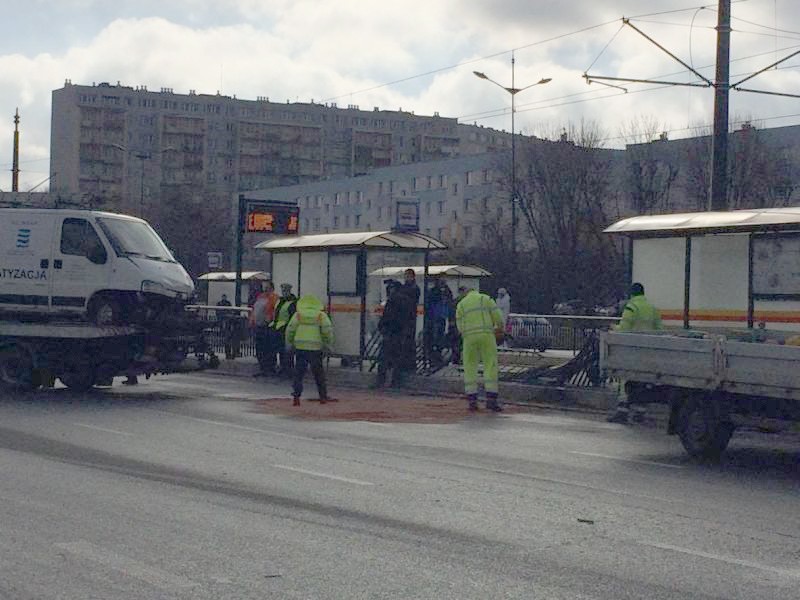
point(553, 332)
point(227, 330)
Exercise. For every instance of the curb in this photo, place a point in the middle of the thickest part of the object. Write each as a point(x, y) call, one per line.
point(566, 398)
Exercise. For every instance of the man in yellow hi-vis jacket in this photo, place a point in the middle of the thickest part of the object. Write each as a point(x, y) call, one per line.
point(310, 333)
point(478, 320)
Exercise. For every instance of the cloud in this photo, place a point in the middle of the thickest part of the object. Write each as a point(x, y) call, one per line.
point(307, 49)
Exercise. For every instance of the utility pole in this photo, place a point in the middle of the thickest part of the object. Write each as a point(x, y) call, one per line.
point(15, 160)
point(719, 155)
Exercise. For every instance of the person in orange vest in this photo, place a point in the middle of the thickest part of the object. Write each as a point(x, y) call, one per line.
point(261, 316)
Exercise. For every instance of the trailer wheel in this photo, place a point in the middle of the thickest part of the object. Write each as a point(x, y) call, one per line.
point(104, 310)
point(78, 381)
point(703, 433)
point(18, 368)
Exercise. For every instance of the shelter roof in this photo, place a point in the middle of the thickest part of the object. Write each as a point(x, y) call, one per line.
point(434, 270)
point(230, 276)
point(733, 221)
point(370, 239)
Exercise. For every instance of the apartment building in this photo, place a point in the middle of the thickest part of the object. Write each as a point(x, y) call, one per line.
point(457, 197)
point(137, 147)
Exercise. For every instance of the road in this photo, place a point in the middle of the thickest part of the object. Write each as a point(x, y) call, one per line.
point(180, 488)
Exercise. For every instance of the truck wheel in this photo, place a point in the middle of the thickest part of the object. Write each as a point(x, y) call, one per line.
point(104, 311)
point(702, 432)
point(78, 381)
point(17, 368)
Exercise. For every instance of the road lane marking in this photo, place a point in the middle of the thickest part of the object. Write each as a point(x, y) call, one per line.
point(726, 559)
point(449, 463)
point(325, 475)
point(96, 428)
point(125, 565)
point(630, 460)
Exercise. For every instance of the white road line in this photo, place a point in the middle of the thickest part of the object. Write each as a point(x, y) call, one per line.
point(795, 573)
point(125, 565)
point(325, 475)
point(114, 431)
point(630, 460)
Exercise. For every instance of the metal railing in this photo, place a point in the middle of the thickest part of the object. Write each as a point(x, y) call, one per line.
point(553, 332)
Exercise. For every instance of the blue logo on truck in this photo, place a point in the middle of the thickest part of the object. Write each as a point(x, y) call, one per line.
point(23, 238)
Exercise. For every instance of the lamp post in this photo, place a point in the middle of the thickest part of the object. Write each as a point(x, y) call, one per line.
point(513, 90)
point(142, 156)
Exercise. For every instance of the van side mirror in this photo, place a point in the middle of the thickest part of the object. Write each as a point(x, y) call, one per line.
point(97, 255)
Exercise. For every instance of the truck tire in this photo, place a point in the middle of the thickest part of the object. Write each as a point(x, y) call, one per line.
point(703, 433)
point(104, 311)
point(78, 381)
point(18, 368)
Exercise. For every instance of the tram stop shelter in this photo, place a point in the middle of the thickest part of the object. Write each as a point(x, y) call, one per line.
point(221, 282)
point(334, 267)
point(455, 276)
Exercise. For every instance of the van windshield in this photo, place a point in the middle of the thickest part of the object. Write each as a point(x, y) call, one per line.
point(133, 238)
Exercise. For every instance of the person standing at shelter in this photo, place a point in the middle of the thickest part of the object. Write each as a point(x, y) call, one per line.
point(452, 328)
point(261, 316)
point(391, 327)
point(310, 333)
point(638, 315)
point(479, 320)
point(504, 304)
point(284, 309)
point(408, 346)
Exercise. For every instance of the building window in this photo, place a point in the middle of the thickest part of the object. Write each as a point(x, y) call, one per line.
point(347, 221)
point(428, 208)
point(380, 213)
point(391, 187)
point(468, 178)
point(380, 187)
point(337, 198)
point(336, 222)
point(327, 208)
point(316, 224)
point(357, 221)
point(485, 204)
point(441, 207)
point(455, 215)
point(442, 181)
point(369, 203)
point(360, 196)
point(486, 176)
point(430, 181)
point(467, 233)
point(455, 189)
point(467, 204)
point(415, 183)
point(318, 201)
point(440, 233)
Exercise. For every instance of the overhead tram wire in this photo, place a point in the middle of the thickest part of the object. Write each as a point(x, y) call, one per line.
point(496, 54)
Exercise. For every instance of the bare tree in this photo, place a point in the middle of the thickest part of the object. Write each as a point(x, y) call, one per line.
point(566, 201)
point(759, 172)
point(650, 174)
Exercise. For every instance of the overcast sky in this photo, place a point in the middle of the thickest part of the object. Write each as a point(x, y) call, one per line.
point(417, 55)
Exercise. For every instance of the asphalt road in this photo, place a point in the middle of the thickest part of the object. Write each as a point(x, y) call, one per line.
point(179, 488)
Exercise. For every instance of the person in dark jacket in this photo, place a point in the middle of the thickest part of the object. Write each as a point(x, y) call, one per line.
point(391, 326)
point(410, 293)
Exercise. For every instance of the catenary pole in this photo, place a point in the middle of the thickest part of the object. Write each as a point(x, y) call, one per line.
point(719, 156)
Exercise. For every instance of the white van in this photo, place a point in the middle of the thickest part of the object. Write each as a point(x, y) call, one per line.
point(102, 266)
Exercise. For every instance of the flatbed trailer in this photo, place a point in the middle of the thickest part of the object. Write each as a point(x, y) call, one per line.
point(712, 384)
point(82, 355)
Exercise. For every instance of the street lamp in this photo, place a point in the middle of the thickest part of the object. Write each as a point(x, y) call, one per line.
point(142, 156)
point(513, 91)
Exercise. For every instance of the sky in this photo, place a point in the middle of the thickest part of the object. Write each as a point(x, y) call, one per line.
point(415, 55)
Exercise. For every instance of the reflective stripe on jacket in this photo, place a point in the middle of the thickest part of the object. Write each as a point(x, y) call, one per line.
point(477, 313)
point(309, 328)
point(284, 312)
point(639, 315)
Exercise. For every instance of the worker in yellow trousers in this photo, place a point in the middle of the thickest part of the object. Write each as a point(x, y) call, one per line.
point(479, 319)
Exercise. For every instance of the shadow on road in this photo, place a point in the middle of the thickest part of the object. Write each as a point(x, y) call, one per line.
point(97, 397)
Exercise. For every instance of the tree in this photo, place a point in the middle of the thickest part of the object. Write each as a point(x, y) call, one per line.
point(759, 172)
point(192, 227)
point(650, 175)
point(566, 201)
